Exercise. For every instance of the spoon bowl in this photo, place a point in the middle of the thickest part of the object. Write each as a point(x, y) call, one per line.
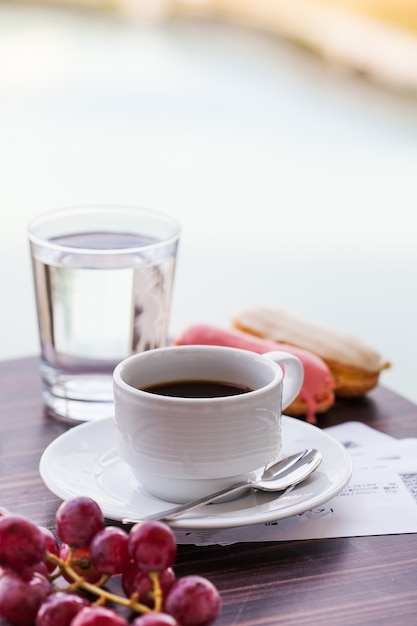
point(288, 472)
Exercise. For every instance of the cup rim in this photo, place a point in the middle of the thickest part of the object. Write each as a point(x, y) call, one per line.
point(118, 381)
point(103, 209)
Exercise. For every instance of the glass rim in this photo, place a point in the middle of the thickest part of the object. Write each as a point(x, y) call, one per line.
point(104, 209)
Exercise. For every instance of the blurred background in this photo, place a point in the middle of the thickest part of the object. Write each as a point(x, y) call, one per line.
point(284, 138)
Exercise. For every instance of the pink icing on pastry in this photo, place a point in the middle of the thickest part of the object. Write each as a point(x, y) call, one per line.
point(316, 394)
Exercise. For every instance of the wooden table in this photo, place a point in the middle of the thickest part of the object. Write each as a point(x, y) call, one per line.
point(355, 581)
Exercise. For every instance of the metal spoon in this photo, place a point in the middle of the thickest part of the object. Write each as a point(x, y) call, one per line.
point(278, 477)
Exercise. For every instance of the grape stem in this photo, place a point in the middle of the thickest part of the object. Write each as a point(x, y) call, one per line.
point(157, 590)
point(103, 594)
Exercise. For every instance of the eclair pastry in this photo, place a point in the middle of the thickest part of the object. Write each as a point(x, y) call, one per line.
point(316, 395)
point(355, 364)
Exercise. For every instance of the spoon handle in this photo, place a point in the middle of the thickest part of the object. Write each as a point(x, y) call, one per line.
point(195, 504)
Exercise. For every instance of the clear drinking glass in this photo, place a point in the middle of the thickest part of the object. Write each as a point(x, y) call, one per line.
point(103, 279)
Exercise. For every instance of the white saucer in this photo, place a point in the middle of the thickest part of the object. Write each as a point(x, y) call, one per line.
point(83, 461)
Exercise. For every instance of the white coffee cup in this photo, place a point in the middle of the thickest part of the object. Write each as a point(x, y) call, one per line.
point(180, 448)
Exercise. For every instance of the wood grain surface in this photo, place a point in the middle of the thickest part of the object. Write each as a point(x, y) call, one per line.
point(355, 581)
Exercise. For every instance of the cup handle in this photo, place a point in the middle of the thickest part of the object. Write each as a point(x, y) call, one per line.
point(293, 375)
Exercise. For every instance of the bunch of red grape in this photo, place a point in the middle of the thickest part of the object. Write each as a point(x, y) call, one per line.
point(85, 554)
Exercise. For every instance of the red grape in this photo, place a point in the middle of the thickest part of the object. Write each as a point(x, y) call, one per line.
point(59, 609)
point(193, 601)
point(78, 520)
point(98, 616)
point(20, 599)
point(152, 545)
point(80, 563)
point(51, 545)
point(27, 572)
point(136, 581)
point(109, 550)
point(155, 619)
point(22, 544)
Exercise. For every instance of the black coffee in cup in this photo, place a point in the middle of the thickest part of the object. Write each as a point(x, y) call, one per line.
point(197, 389)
